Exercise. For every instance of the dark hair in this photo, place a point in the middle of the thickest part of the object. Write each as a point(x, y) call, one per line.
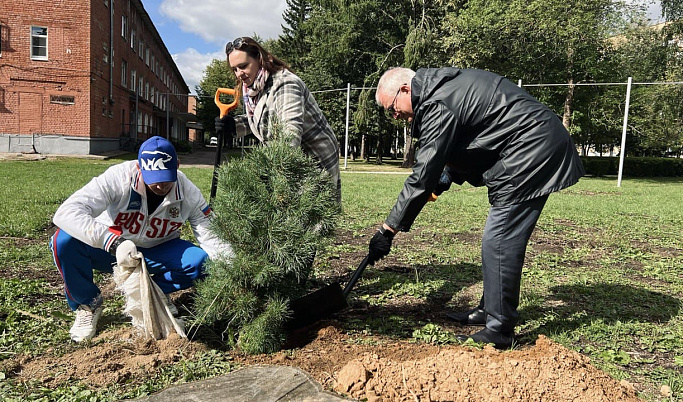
point(253, 49)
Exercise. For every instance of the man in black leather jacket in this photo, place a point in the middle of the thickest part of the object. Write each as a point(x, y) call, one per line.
point(476, 126)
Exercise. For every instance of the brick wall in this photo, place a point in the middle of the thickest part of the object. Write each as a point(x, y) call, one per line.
point(27, 86)
point(78, 90)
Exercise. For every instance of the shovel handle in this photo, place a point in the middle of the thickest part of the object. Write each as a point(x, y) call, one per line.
point(356, 275)
point(223, 107)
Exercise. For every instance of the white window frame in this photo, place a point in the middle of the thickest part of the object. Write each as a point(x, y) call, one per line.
point(124, 26)
point(39, 57)
point(133, 79)
point(132, 39)
point(124, 73)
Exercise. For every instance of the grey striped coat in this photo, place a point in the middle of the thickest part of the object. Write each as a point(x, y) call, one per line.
point(287, 100)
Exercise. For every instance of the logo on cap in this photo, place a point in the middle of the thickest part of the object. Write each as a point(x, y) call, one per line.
point(157, 161)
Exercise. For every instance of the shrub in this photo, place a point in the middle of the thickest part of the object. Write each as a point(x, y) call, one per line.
point(633, 166)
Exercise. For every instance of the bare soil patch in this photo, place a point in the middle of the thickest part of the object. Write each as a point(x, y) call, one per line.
point(375, 367)
point(390, 370)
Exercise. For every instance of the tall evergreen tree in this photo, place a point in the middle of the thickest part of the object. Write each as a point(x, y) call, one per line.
point(292, 44)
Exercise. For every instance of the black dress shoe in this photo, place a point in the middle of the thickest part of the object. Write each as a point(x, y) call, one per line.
point(500, 340)
point(475, 317)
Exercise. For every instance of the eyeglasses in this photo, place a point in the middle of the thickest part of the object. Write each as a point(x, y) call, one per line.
point(390, 110)
point(236, 44)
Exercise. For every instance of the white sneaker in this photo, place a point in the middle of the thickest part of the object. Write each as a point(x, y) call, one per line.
point(85, 324)
point(171, 307)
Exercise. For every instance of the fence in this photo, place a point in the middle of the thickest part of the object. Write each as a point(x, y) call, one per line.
point(629, 84)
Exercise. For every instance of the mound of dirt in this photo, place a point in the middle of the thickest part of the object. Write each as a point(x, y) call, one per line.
point(382, 371)
point(545, 372)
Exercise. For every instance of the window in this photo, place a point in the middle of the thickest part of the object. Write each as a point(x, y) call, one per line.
point(141, 48)
point(105, 56)
point(38, 43)
point(132, 39)
point(141, 82)
point(133, 79)
point(124, 26)
point(124, 73)
point(1, 36)
point(147, 56)
point(147, 91)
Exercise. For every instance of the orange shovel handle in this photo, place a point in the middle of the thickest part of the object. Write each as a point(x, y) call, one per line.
point(225, 108)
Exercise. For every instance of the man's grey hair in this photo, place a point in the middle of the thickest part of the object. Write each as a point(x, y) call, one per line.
point(391, 81)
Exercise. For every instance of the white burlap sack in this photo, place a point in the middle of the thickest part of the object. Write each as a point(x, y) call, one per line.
point(146, 303)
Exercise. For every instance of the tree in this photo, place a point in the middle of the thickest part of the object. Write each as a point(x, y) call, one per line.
point(652, 54)
point(292, 43)
point(217, 75)
point(276, 208)
point(552, 41)
point(354, 42)
point(672, 10)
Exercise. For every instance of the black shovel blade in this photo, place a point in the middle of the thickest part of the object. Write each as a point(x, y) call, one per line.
point(317, 305)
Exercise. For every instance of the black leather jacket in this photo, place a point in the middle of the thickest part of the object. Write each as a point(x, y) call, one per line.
point(488, 132)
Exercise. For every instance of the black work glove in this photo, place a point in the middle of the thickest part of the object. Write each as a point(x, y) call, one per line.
point(226, 123)
point(380, 245)
point(444, 183)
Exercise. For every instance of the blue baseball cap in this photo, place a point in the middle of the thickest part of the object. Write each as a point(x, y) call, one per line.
point(158, 160)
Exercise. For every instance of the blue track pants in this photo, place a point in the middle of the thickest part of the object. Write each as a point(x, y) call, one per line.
point(174, 265)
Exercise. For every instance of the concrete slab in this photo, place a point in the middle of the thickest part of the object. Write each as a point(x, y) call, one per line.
point(252, 383)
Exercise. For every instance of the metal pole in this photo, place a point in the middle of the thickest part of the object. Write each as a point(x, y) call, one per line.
point(346, 142)
point(623, 131)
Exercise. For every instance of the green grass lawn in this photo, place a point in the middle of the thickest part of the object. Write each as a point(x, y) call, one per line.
point(603, 274)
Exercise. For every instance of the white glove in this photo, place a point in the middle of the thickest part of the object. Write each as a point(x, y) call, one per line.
point(127, 255)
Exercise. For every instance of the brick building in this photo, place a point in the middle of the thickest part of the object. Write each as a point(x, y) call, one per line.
point(85, 77)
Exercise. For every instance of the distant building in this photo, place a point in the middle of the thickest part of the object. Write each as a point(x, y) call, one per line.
point(194, 128)
point(85, 77)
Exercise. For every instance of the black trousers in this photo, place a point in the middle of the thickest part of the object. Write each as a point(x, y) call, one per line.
point(503, 246)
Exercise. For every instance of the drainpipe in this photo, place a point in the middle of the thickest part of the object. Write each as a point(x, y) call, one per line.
point(111, 52)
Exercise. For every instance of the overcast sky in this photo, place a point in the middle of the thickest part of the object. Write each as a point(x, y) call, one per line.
point(196, 31)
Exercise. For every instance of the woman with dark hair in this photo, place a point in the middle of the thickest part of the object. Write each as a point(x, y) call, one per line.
point(272, 94)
